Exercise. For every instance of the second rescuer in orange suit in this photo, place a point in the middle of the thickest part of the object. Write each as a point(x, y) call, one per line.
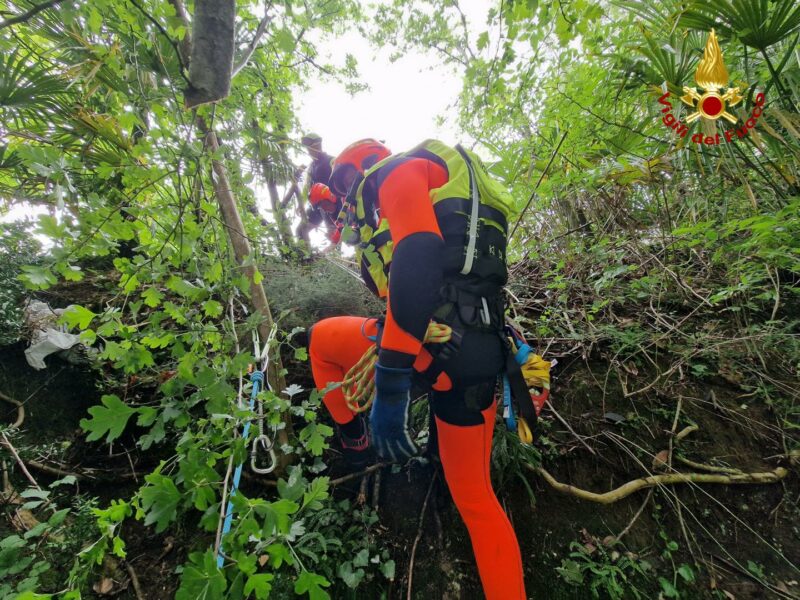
point(461, 397)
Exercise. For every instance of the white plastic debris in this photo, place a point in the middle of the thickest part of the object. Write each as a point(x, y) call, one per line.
point(47, 336)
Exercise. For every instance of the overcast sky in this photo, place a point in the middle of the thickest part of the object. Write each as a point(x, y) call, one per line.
point(403, 102)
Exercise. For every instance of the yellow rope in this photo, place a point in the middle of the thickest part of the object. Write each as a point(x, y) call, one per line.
point(358, 385)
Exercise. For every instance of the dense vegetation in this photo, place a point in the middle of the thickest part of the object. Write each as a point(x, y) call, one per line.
point(664, 274)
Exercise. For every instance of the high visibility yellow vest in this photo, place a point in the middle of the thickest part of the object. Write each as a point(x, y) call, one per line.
point(472, 209)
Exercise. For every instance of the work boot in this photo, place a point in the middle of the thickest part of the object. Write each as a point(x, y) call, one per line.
point(356, 450)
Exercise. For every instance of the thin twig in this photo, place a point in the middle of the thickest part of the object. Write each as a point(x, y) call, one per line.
point(376, 489)
point(419, 534)
point(572, 431)
point(262, 27)
point(536, 187)
point(57, 471)
point(21, 464)
point(366, 471)
point(635, 517)
point(669, 465)
point(706, 467)
point(271, 483)
point(137, 588)
point(362, 490)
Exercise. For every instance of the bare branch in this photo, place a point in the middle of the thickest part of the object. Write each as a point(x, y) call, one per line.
point(262, 27)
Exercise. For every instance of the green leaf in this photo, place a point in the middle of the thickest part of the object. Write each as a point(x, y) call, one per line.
point(70, 272)
point(77, 316)
point(362, 558)
point(312, 584)
point(212, 308)
point(66, 480)
point(351, 578)
point(202, 580)
point(686, 572)
point(755, 569)
point(214, 274)
point(284, 39)
point(29, 595)
point(152, 297)
point(260, 584)
point(185, 288)
point(388, 570)
point(147, 416)
point(668, 589)
point(313, 436)
point(111, 417)
point(95, 20)
point(37, 278)
point(160, 500)
point(276, 516)
point(57, 518)
point(317, 491)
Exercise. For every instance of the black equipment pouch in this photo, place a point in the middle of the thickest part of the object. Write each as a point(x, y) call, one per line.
point(464, 308)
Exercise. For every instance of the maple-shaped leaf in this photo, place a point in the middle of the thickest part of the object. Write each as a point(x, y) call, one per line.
point(160, 500)
point(111, 417)
point(312, 584)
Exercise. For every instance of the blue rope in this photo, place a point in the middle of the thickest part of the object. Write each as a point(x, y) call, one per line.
point(257, 377)
point(508, 407)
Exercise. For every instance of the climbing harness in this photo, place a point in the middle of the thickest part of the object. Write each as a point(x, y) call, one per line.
point(358, 385)
point(262, 440)
point(524, 370)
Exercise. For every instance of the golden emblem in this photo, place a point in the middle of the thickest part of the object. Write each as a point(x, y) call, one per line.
point(712, 77)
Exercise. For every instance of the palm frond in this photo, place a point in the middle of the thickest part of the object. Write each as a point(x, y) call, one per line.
point(758, 23)
point(28, 92)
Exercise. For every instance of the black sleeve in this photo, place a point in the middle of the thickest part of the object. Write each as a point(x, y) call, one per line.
point(415, 283)
point(314, 216)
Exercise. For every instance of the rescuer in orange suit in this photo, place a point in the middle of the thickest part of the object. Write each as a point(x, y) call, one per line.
point(417, 201)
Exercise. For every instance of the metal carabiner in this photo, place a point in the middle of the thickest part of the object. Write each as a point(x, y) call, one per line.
point(268, 446)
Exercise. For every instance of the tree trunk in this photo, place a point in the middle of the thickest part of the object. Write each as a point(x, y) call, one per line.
point(244, 257)
point(241, 247)
point(285, 238)
point(213, 35)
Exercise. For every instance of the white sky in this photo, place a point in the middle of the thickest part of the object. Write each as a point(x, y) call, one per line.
point(403, 102)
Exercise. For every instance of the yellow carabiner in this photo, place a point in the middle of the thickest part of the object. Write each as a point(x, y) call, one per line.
point(523, 431)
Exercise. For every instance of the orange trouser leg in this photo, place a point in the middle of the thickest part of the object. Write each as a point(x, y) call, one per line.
point(336, 345)
point(465, 452)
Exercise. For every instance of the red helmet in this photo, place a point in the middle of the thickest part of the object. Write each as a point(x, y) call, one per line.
point(318, 193)
point(356, 158)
